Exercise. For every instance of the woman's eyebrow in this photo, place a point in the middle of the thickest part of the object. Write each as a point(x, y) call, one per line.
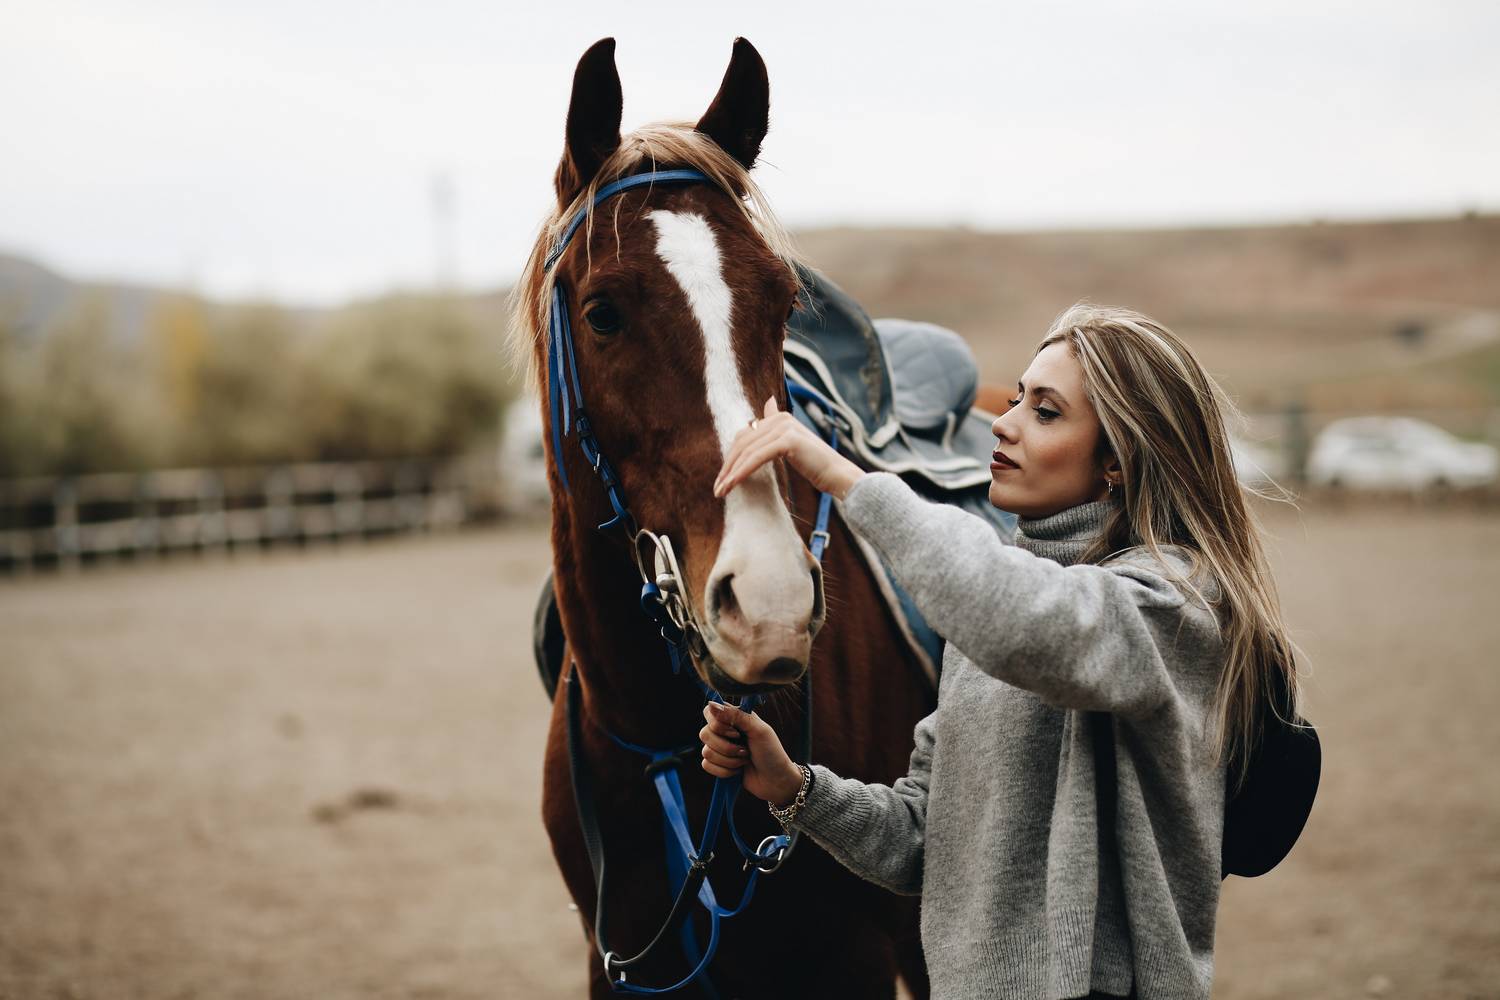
point(1044, 390)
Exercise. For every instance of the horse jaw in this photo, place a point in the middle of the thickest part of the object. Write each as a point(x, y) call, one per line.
point(763, 601)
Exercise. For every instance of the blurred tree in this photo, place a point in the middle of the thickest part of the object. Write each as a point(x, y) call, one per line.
point(402, 376)
point(179, 335)
point(244, 390)
point(81, 417)
point(16, 409)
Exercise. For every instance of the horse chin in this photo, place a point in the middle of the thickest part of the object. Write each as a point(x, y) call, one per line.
point(715, 677)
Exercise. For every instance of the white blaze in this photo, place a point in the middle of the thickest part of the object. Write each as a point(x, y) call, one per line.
point(686, 244)
point(760, 547)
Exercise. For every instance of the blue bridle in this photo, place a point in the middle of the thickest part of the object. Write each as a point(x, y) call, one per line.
point(562, 367)
point(686, 863)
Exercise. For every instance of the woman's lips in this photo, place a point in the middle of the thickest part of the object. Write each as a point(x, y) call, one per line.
point(1000, 462)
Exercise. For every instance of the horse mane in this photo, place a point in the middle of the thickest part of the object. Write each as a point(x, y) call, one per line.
point(657, 146)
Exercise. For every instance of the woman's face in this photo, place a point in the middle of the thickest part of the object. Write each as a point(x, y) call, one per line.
point(1046, 458)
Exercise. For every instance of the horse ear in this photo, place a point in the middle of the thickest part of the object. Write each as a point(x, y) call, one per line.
point(740, 115)
point(593, 120)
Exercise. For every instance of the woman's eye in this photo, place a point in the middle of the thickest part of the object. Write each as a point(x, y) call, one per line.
point(602, 316)
point(1013, 402)
point(1045, 414)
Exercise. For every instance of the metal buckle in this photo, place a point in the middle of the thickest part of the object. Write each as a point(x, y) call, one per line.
point(827, 538)
point(666, 575)
point(759, 861)
point(610, 956)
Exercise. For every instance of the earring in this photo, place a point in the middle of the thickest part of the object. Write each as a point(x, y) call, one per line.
point(1110, 486)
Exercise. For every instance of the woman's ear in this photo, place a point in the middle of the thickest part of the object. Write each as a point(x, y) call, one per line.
point(1110, 466)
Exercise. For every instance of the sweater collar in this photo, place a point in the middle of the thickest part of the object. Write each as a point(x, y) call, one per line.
point(1065, 536)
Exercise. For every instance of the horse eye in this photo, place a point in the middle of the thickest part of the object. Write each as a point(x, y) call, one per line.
point(602, 316)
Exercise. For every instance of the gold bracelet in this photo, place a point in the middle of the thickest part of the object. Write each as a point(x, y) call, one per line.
point(785, 815)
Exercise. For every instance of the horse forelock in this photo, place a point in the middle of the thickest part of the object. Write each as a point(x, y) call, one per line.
point(660, 146)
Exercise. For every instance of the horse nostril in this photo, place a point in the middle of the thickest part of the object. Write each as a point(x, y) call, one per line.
point(723, 597)
point(819, 608)
point(784, 669)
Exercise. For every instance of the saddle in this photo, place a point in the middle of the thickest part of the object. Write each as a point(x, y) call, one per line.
point(902, 393)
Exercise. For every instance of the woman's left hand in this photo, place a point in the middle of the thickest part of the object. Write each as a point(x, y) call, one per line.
point(780, 435)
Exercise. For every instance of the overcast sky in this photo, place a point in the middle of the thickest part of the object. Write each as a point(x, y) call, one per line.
point(289, 148)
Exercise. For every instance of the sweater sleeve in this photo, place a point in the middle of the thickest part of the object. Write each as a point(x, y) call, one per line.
point(1081, 637)
point(876, 831)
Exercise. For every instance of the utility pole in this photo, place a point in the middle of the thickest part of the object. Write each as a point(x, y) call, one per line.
point(442, 198)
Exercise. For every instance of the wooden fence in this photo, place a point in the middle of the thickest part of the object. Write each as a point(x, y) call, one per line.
point(65, 522)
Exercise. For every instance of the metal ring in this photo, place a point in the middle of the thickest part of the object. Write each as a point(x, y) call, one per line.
point(761, 859)
point(608, 956)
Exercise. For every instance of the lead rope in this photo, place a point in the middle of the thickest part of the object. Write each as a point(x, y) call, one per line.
point(688, 867)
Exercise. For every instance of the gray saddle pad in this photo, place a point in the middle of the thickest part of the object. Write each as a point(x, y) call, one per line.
point(832, 345)
point(902, 395)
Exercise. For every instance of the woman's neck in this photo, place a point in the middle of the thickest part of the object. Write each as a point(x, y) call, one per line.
point(1063, 537)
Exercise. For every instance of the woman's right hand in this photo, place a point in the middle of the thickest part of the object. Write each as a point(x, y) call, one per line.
point(736, 741)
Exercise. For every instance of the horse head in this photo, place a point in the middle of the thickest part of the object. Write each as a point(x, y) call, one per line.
point(677, 296)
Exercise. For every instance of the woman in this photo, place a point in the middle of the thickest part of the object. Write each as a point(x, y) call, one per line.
point(1064, 807)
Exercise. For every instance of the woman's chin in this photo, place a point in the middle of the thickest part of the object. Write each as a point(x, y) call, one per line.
point(1003, 498)
point(1016, 502)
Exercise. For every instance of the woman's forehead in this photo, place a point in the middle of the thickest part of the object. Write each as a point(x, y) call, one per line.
point(1054, 366)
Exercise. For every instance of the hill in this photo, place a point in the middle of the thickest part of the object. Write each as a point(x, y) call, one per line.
point(1401, 315)
point(1342, 315)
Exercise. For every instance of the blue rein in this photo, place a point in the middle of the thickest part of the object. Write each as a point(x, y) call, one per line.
point(684, 858)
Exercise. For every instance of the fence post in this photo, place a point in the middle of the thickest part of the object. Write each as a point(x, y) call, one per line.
point(349, 502)
point(211, 528)
point(65, 522)
point(280, 490)
point(408, 492)
point(147, 535)
point(1296, 441)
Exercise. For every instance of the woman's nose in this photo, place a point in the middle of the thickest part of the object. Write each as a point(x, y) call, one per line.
point(1001, 428)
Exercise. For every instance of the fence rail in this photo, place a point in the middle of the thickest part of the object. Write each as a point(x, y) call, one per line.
point(67, 521)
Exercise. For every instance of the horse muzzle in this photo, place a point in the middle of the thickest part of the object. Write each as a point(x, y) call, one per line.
point(760, 627)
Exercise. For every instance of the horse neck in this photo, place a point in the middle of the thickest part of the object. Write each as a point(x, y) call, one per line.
point(628, 684)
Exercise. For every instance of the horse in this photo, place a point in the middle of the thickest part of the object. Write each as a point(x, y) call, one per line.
point(680, 293)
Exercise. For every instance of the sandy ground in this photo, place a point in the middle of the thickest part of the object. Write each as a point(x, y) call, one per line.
point(316, 774)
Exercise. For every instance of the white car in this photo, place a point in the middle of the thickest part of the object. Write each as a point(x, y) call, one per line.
point(1397, 453)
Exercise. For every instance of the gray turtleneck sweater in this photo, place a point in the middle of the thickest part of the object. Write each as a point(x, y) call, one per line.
point(1062, 814)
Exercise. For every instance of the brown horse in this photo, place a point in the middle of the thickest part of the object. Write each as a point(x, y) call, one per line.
point(678, 297)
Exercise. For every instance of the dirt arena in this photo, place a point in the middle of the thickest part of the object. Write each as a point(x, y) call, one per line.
point(316, 774)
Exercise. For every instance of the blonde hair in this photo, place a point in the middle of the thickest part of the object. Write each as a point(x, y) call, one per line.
point(658, 146)
point(1164, 419)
